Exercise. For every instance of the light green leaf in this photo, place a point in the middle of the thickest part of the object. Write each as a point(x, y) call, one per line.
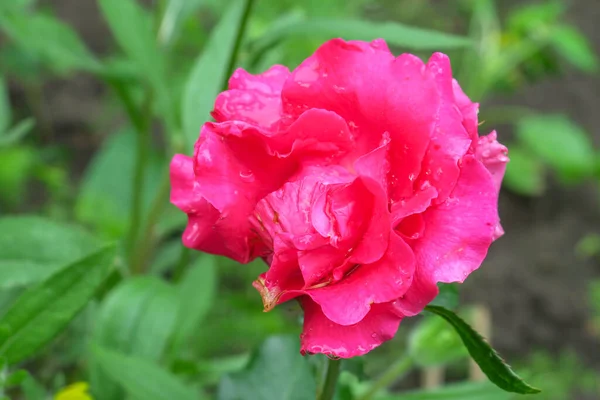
point(50, 39)
point(395, 34)
point(497, 371)
point(5, 112)
point(138, 318)
point(33, 248)
point(276, 372)
point(560, 143)
point(17, 132)
point(458, 391)
point(44, 311)
point(447, 296)
point(524, 173)
point(196, 293)
point(131, 26)
point(174, 15)
point(433, 342)
point(571, 44)
point(209, 73)
point(141, 378)
point(105, 196)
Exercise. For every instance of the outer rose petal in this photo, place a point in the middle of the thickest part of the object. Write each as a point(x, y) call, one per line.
point(375, 93)
point(255, 99)
point(459, 231)
point(494, 157)
point(205, 230)
point(349, 300)
point(450, 141)
point(469, 111)
point(321, 335)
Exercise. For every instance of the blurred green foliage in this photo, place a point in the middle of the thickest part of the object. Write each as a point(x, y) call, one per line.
point(147, 319)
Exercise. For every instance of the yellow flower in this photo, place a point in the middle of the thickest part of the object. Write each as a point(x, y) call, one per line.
point(76, 391)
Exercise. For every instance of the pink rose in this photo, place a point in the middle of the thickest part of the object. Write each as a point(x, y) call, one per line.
point(359, 178)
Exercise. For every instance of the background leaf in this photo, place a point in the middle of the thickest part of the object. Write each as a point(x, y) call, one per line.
point(43, 311)
point(560, 143)
point(571, 44)
point(33, 248)
point(142, 379)
point(484, 355)
point(525, 172)
point(276, 372)
point(459, 391)
point(5, 111)
point(433, 342)
point(15, 134)
point(209, 73)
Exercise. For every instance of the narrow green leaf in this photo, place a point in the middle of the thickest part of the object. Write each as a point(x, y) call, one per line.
point(210, 72)
point(395, 34)
point(49, 39)
point(44, 311)
point(56, 245)
point(497, 371)
point(17, 132)
point(571, 44)
point(5, 111)
point(174, 15)
point(560, 143)
point(525, 172)
point(276, 372)
point(137, 318)
point(131, 26)
point(142, 379)
point(457, 391)
point(196, 296)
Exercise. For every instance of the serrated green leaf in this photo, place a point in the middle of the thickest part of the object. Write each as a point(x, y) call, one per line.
point(209, 73)
point(457, 391)
point(497, 371)
point(524, 173)
point(560, 143)
point(395, 34)
point(276, 372)
point(137, 318)
point(44, 311)
point(50, 39)
point(56, 245)
point(141, 378)
point(17, 132)
point(571, 44)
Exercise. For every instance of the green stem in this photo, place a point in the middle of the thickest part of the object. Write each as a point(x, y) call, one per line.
point(238, 41)
point(333, 372)
point(182, 263)
point(390, 376)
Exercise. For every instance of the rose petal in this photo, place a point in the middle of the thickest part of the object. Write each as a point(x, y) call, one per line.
point(469, 111)
point(459, 231)
point(321, 335)
point(349, 300)
point(450, 141)
point(255, 99)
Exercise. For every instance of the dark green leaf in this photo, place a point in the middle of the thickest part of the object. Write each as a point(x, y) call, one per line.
point(44, 311)
point(209, 73)
point(276, 372)
point(17, 132)
point(484, 355)
point(394, 33)
point(196, 295)
point(50, 39)
point(459, 391)
point(524, 173)
point(571, 44)
point(16, 378)
point(141, 378)
point(433, 342)
point(138, 318)
point(55, 245)
point(560, 143)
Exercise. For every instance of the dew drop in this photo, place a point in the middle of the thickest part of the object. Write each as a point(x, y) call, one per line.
point(247, 176)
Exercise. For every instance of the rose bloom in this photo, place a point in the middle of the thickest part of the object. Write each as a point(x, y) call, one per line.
point(360, 179)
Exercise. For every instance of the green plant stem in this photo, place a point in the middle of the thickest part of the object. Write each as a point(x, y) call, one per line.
point(238, 41)
point(182, 263)
point(333, 372)
point(398, 369)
